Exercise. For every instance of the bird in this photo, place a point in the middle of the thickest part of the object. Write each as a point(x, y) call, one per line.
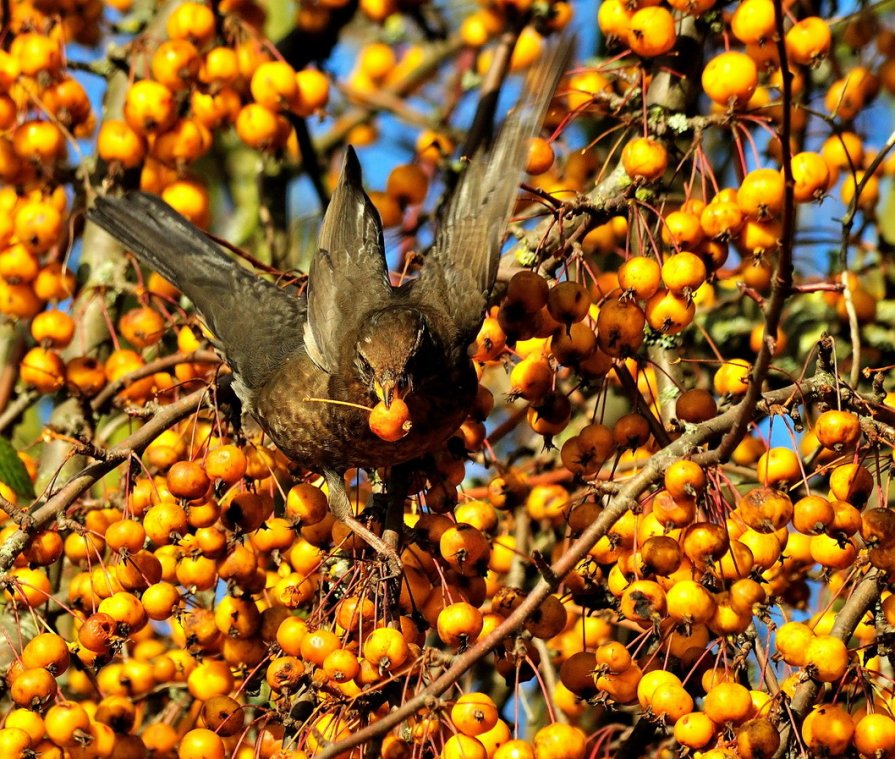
point(306, 365)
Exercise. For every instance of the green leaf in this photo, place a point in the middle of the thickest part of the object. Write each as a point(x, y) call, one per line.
point(13, 472)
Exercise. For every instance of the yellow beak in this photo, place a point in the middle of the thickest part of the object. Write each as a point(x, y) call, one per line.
point(386, 391)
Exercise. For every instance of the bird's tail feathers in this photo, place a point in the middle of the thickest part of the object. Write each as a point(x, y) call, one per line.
point(161, 238)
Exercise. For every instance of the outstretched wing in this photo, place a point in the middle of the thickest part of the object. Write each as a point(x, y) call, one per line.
point(462, 264)
point(257, 324)
point(349, 273)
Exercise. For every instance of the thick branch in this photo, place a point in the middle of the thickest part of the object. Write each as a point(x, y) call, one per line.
point(848, 618)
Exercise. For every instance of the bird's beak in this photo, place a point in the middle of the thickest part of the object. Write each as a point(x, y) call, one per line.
point(386, 391)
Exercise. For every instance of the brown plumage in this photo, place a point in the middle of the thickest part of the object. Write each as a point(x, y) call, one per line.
point(352, 337)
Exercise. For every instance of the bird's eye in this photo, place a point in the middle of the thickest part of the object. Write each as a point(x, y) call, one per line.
point(364, 364)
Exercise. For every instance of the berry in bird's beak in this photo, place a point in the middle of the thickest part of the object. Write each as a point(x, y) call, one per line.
point(390, 422)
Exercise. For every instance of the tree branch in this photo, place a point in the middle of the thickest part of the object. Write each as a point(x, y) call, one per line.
point(627, 498)
point(65, 496)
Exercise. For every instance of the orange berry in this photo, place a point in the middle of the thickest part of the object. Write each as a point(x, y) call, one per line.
point(201, 743)
point(53, 327)
point(227, 463)
point(640, 275)
point(408, 184)
point(669, 313)
point(652, 31)
point(38, 225)
point(685, 479)
point(760, 195)
point(376, 60)
point(142, 326)
point(730, 79)
point(812, 177)
point(754, 22)
point(149, 107)
point(727, 702)
point(188, 479)
point(189, 197)
point(540, 156)
point(433, 146)
point(683, 272)
point(559, 740)
point(219, 66)
point(827, 658)
point(37, 53)
point(386, 648)
point(117, 141)
point(313, 91)
point(837, 429)
point(812, 515)
point(808, 41)
point(694, 730)
point(459, 623)
point(54, 282)
point(828, 729)
point(39, 141)
point(695, 406)
point(43, 370)
point(317, 645)
point(175, 63)
point(224, 715)
point(614, 19)
point(261, 128)
point(273, 85)
point(732, 378)
point(391, 423)
point(681, 229)
point(875, 735)
point(721, 219)
point(191, 21)
point(644, 158)
point(85, 375)
point(33, 688)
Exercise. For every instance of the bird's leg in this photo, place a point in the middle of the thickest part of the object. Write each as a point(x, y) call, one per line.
point(340, 506)
point(396, 493)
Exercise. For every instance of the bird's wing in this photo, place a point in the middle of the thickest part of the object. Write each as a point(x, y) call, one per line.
point(462, 264)
point(348, 272)
point(257, 324)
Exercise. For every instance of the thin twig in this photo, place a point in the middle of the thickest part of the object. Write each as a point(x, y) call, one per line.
point(782, 280)
point(147, 370)
point(19, 406)
point(847, 224)
point(637, 399)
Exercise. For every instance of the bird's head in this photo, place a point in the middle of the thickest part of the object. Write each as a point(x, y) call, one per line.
point(386, 345)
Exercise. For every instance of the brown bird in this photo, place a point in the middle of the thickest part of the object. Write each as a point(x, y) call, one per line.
point(353, 337)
